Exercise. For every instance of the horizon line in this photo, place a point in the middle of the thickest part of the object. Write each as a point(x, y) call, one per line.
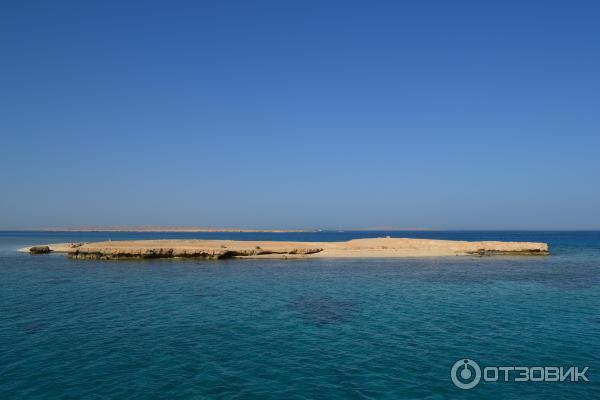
point(191, 229)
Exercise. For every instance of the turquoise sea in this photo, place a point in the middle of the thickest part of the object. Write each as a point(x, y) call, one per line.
point(296, 329)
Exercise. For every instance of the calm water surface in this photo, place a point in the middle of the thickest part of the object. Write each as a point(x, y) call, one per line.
point(295, 329)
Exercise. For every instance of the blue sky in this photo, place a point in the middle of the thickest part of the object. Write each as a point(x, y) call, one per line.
point(448, 115)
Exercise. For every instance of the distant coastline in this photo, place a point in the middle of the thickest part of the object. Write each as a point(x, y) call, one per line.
point(190, 229)
point(200, 229)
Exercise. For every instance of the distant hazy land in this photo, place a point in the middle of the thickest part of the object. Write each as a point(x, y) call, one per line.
point(158, 228)
point(153, 228)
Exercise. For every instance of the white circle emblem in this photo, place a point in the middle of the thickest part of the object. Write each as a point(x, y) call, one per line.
point(465, 374)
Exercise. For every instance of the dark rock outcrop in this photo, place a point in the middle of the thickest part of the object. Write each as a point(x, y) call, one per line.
point(39, 250)
point(209, 254)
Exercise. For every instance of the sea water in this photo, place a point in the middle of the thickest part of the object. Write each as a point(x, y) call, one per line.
point(296, 329)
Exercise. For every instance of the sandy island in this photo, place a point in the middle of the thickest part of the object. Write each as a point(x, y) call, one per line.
point(220, 249)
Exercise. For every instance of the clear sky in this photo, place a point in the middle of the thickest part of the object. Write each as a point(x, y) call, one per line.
point(449, 114)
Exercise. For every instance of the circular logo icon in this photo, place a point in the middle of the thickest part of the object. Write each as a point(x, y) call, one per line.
point(465, 373)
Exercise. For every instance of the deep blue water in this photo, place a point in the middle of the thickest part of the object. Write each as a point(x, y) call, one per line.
point(295, 329)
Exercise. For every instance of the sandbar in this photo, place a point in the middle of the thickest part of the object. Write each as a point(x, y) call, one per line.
point(221, 249)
